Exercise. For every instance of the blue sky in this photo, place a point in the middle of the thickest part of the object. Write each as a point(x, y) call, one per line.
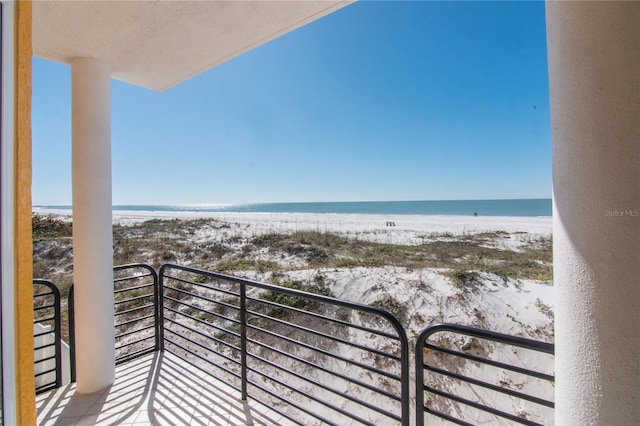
point(378, 101)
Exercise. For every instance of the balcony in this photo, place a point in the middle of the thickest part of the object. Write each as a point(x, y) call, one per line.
point(159, 389)
point(197, 347)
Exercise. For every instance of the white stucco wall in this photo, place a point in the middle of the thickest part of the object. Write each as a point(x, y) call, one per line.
point(594, 71)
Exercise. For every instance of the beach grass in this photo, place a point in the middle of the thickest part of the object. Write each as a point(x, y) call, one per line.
point(160, 241)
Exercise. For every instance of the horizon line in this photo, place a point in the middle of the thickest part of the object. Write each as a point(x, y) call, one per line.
point(300, 202)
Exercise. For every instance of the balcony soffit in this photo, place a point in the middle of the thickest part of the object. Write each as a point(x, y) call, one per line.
point(158, 44)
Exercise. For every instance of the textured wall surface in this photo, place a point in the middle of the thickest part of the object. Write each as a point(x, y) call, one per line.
point(594, 73)
point(25, 382)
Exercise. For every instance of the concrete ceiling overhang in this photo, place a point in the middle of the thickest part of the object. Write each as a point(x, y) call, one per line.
point(158, 44)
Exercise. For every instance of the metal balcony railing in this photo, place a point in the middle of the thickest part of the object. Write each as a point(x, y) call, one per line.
point(443, 350)
point(136, 310)
point(316, 359)
point(47, 336)
point(304, 355)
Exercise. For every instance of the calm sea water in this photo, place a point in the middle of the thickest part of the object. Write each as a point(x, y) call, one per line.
point(526, 207)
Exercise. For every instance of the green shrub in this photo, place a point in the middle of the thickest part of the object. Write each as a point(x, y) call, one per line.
point(268, 240)
point(465, 279)
point(234, 265)
point(392, 305)
point(293, 301)
point(47, 227)
point(316, 255)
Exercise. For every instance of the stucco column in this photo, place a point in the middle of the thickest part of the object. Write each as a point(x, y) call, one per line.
point(594, 76)
point(92, 229)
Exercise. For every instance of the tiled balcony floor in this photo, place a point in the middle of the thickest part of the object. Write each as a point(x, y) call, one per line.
point(158, 389)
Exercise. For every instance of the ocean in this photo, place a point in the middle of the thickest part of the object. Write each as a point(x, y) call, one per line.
point(524, 207)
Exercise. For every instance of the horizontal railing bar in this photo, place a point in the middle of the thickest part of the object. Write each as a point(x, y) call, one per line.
point(208, 299)
point(289, 291)
point(203, 322)
point(481, 407)
point(289, 308)
point(324, 369)
point(198, 308)
point(125, 290)
point(40, 308)
point(228, 358)
point(49, 293)
point(44, 333)
point(53, 370)
point(48, 345)
point(487, 361)
point(271, 407)
point(313, 398)
point(327, 336)
point(133, 356)
point(136, 287)
point(324, 317)
point(229, 383)
point(522, 342)
point(35, 321)
point(290, 403)
point(208, 287)
point(138, 330)
point(493, 387)
point(225, 318)
point(133, 299)
point(207, 372)
point(139, 308)
point(128, 357)
point(134, 342)
point(133, 266)
point(193, 330)
point(446, 417)
point(190, 352)
point(322, 386)
point(132, 277)
point(49, 358)
point(46, 388)
point(135, 320)
point(213, 364)
point(335, 356)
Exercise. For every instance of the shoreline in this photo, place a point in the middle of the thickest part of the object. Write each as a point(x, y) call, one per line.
point(389, 229)
point(341, 222)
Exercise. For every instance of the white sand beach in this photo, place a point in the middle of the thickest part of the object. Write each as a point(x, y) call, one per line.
point(509, 233)
point(406, 229)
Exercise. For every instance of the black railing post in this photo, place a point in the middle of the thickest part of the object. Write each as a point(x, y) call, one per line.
point(160, 318)
point(420, 378)
point(72, 335)
point(405, 379)
point(58, 335)
point(157, 309)
point(243, 339)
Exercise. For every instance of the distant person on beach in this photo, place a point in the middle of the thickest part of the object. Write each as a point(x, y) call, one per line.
point(475, 214)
